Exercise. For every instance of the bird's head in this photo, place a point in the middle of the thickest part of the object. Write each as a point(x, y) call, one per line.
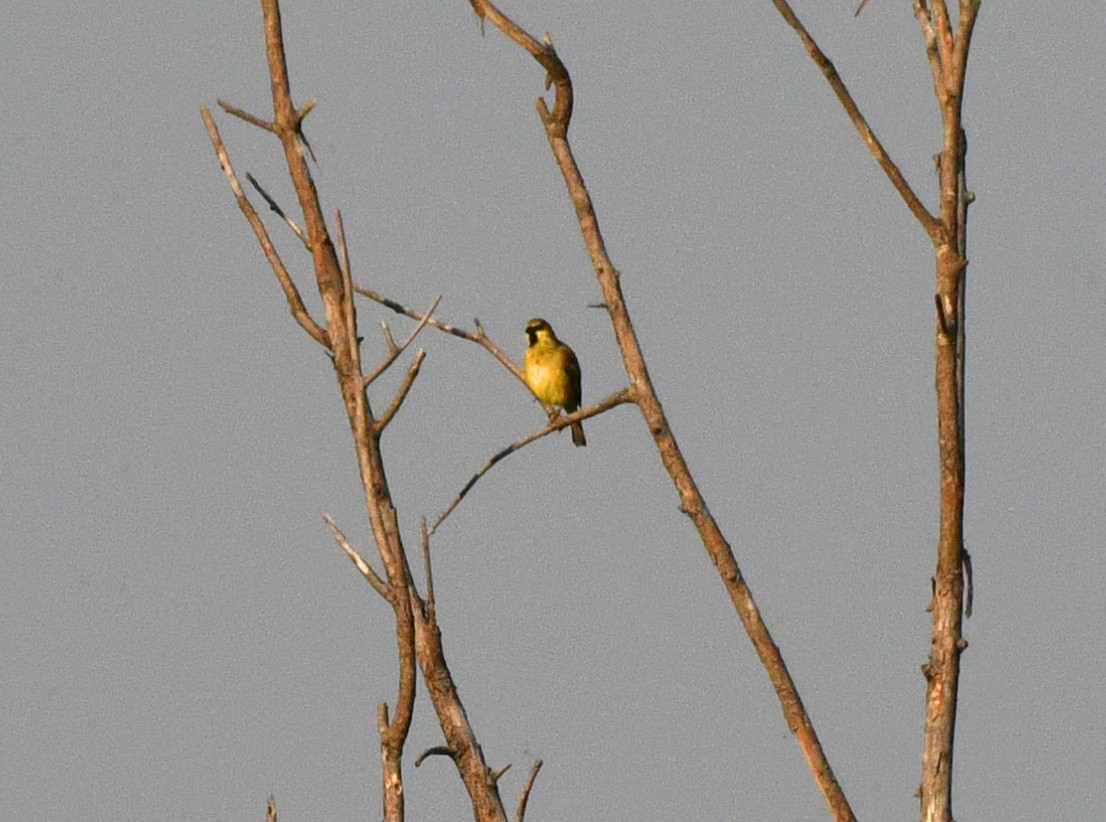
point(539, 329)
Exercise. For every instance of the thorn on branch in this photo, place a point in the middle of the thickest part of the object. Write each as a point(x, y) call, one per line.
point(494, 775)
point(478, 9)
point(969, 586)
point(301, 115)
point(520, 814)
point(388, 339)
point(437, 750)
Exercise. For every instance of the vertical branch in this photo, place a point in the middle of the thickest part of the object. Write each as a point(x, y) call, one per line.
point(947, 52)
point(341, 326)
point(412, 625)
point(942, 671)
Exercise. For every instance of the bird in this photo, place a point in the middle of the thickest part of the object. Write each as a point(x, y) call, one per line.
point(553, 372)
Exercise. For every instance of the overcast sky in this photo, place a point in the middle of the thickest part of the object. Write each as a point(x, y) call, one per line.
point(180, 636)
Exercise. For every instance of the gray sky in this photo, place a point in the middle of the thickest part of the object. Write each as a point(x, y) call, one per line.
point(182, 638)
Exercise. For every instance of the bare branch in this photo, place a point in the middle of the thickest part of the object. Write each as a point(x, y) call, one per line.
point(245, 115)
point(409, 380)
point(944, 45)
point(437, 750)
point(273, 206)
point(396, 350)
point(525, 797)
point(366, 570)
point(349, 312)
point(930, 223)
point(478, 336)
point(564, 421)
point(556, 124)
point(933, 54)
point(430, 604)
point(295, 303)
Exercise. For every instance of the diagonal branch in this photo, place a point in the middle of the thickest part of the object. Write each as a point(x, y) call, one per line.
point(563, 421)
point(556, 124)
point(366, 570)
point(274, 206)
point(295, 302)
point(396, 350)
point(524, 798)
point(930, 223)
point(408, 380)
point(478, 336)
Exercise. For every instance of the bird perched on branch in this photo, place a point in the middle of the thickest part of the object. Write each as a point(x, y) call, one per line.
point(553, 372)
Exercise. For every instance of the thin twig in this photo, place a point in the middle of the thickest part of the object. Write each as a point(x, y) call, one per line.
point(408, 380)
point(245, 115)
point(478, 336)
point(564, 421)
point(430, 605)
point(274, 206)
point(366, 570)
point(930, 223)
point(389, 340)
point(348, 306)
point(933, 54)
point(396, 350)
point(291, 293)
point(437, 750)
point(525, 796)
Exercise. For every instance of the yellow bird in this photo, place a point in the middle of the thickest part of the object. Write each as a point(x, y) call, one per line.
point(553, 372)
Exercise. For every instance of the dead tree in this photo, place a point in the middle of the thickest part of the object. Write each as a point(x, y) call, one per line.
point(418, 635)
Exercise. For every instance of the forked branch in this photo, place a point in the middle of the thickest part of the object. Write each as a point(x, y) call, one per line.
point(947, 49)
point(418, 638)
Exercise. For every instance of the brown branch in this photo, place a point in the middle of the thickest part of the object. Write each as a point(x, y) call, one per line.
point(334, 289)
point(427, 570)
point(917, 208)
point(396, 350)
point(520, 814)
point(942, 670)
point(563, 421)
point(556, 124)
point(366, 570)
point(242, 114)
point(401, 394)
point(437, 750)
point(478, 336)
point(274, 206)
point(295, 303)
point(418, 641)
